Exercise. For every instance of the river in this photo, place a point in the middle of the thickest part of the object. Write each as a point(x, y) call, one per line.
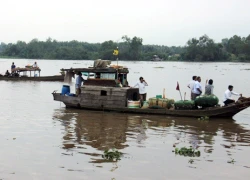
point(41, 139)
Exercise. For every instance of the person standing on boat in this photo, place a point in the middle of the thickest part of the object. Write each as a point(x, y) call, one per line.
point(142, 89)
point(13, 66)
point(79, 82)
point(197, 89)
point(227, 95)
point(191, 86)
point(209, 88)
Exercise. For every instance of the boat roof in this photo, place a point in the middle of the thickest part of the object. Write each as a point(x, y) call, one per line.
point(98, 70)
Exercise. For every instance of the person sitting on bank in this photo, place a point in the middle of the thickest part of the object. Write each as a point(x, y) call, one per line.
point(197, 89)
point(35, 65)
point(13, 66)
point(79, 82)
point(142, 90)
point(7, 73)
point(209, 88)
point(227, 95)
point(191, 86)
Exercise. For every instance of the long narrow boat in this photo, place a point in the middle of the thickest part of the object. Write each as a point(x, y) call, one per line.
point(81, 102)
point(109, 91)
point(38, 78)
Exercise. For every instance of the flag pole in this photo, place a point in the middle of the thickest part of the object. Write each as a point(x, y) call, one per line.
point(180, 94)
point(115, 53)
point(178, 89)
point(117, 56)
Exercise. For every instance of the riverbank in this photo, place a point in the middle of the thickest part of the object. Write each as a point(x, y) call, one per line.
point(235, 61)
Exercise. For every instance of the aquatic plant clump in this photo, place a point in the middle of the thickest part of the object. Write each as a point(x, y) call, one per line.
point(232, 161)
point(205, 118)
point(187, 152)
point(112, 155)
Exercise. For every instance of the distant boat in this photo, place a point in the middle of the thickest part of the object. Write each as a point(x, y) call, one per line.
point(24, 77)
point(156, 58)
point(36, 78)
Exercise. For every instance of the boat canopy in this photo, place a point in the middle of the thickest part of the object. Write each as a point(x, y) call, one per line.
point(98, 70)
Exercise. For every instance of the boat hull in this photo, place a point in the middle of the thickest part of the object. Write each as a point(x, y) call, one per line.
point(41, 78)
point(227, 111)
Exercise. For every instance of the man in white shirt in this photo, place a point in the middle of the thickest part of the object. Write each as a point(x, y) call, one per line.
point(35, 65)
point(197, 89)
point(191, 86)
point(227, 95)
point(142, 90)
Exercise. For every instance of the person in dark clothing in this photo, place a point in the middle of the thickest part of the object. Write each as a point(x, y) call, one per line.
point(7, 73)
point(13, 66)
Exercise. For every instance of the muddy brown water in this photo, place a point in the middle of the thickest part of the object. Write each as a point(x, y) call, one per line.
point(40, 139)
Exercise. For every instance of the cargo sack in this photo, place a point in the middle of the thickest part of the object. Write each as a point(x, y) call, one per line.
point(184, 104)
point(206, 101)
point(161, 103)
point(153, 102)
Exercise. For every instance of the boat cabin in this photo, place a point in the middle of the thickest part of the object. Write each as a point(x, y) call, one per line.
point(108, 77)
point(104, 87)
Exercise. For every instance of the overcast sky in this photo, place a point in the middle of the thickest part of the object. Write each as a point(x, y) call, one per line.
point(162, 22)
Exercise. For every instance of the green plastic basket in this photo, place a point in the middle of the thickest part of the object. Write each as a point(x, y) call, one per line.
point(158, 96)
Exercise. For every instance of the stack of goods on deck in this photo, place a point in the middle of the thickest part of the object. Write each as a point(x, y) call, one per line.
point(160, 103)
point(206, 101)
point(101, 63)
point(186, 105)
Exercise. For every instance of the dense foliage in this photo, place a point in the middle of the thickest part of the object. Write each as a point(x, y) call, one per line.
point(202, 49)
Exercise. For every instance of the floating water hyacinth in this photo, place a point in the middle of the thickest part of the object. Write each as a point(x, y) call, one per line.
point(112, 155)
point(187, 152)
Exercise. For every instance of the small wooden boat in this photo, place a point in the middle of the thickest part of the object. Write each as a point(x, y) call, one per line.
point(103, 93)
point(17, 76)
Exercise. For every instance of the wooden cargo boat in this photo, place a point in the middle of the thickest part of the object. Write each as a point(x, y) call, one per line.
point(103, 93)
point(23, 77)
point(115, 99)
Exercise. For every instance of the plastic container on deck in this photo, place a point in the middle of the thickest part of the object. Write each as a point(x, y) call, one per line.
point(65, 89)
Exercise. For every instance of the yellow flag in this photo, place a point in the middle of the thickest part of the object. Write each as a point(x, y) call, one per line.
point(116, 52)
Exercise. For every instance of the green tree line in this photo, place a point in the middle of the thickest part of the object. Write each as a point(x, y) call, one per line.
point(203, 48)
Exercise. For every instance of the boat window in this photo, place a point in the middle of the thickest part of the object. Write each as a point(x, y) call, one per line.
point(103, 93)
point(107, 75)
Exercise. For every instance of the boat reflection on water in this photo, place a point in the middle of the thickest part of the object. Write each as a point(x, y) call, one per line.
point(92, 132)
